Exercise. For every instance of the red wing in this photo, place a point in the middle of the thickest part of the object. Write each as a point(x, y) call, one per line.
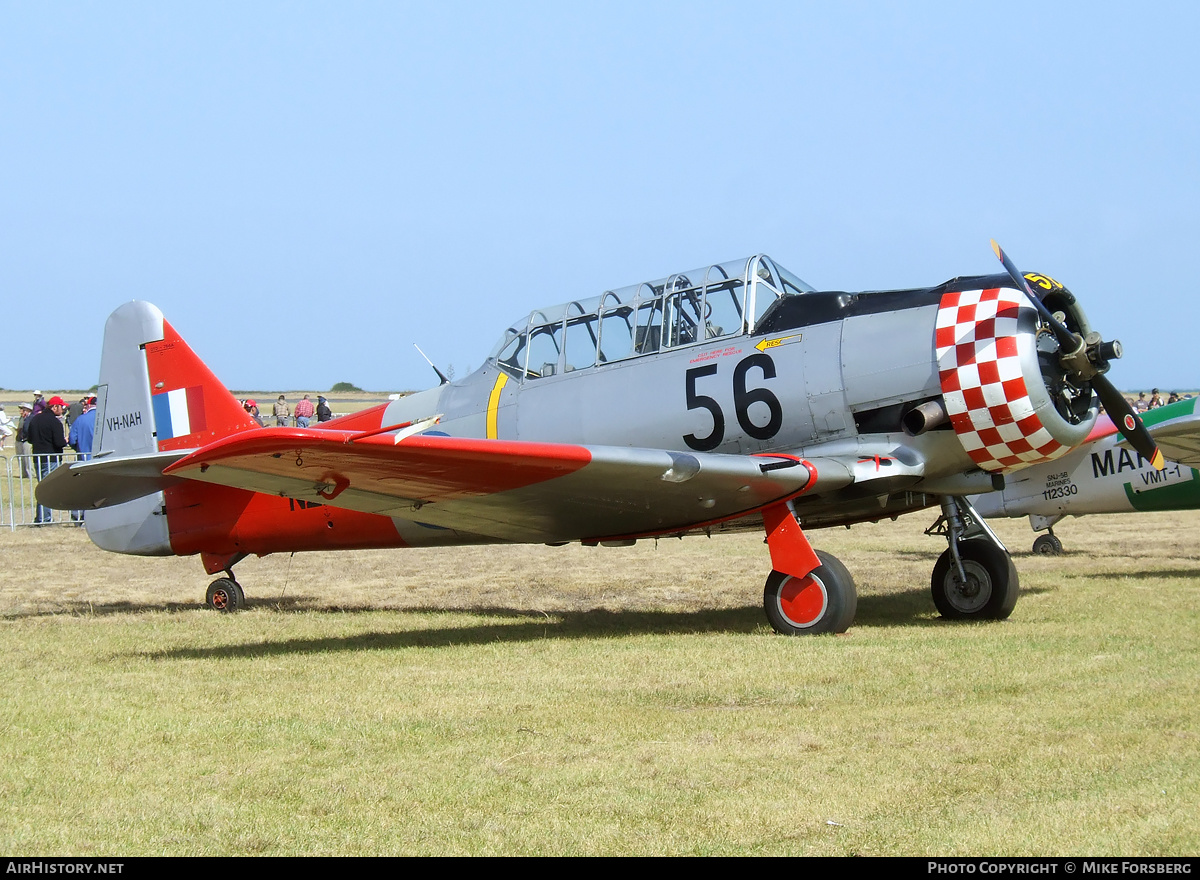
point(512, 490)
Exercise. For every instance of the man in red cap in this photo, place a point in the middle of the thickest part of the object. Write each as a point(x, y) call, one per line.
point(251, 407)
point(48, 439)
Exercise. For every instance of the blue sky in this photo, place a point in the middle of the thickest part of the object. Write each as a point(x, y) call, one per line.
point(306, 189)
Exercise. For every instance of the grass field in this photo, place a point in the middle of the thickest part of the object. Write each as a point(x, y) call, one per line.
point(535, 700)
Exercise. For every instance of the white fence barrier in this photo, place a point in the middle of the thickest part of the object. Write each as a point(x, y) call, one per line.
point(18, 506)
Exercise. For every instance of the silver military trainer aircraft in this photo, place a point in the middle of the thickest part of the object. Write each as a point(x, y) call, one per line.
point(730, 397)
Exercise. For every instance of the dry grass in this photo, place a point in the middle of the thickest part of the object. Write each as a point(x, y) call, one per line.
point(574, 700)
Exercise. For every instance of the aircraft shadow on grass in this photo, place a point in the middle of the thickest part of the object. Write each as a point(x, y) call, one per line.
point(1141, 575)
point(902, 608)
point(910, 608)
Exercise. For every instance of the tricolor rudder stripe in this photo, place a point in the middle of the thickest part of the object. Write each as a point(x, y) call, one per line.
point(179, 412)
point(980, 354)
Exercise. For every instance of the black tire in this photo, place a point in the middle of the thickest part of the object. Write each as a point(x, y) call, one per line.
point(1047, 545)
point(225, 595)
point(823, 602)
point(991, 589)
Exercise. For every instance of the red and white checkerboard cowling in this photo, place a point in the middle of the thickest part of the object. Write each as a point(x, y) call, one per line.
point(980, 355)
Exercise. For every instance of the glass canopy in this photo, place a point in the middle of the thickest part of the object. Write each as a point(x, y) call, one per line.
point(688, 308)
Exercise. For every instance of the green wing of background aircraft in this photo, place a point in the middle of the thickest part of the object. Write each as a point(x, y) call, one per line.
point(1105, 475)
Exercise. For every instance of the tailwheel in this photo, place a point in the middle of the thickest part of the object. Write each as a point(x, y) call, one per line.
point(990, 589)
point(225, 595)
point(823, 601)
point(1047, 545)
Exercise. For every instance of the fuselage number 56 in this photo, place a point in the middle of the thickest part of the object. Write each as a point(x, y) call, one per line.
point(743, 398)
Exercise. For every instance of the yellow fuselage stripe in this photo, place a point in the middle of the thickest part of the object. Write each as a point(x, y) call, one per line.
point(493, 413)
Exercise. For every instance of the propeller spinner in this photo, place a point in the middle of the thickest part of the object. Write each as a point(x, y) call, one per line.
point(1086, 360)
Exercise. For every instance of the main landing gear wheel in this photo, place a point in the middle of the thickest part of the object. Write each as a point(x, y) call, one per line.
point(990, 592)
point(225, 595)
point(822, 602)
point(1047, 545)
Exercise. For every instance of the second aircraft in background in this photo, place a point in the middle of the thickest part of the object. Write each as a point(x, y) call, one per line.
point(1106, 476)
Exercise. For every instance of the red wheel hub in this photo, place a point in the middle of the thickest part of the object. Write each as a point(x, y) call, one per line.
point(803, 600)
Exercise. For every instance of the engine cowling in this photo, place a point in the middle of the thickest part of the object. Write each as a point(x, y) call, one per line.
point(1009, 400)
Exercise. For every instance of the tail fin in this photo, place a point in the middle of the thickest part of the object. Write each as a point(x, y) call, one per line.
point(155, 396)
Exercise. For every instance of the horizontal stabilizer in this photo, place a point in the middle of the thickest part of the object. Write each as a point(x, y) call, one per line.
point(104, 482)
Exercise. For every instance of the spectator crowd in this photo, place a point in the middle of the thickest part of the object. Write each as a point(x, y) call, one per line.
point(283, 415)
point(44, 430)
point(1142, 404)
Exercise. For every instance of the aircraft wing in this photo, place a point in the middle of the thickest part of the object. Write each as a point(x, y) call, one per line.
point(511, 490)
point(1174, 427)
point(1179, 440)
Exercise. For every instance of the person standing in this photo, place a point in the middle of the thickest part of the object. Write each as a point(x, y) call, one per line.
point(83, 430)
point(282, 412)
point(7, 426)
point(324, 414)
point(46, 436)
point(24, 450)
point(304, 412)
point(80, 437)
point(74, 411)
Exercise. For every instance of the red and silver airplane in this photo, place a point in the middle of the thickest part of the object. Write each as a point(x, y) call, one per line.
point(731, 397)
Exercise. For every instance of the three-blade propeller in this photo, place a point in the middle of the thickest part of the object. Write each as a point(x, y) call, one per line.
point(1086, 360)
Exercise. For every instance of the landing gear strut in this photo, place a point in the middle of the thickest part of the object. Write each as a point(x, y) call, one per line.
point(808, 592)
point(974, 579)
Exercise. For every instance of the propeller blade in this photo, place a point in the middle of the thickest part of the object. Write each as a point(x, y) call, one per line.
point(1127, 421)
point(1115, 404)
point(1066, 339)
